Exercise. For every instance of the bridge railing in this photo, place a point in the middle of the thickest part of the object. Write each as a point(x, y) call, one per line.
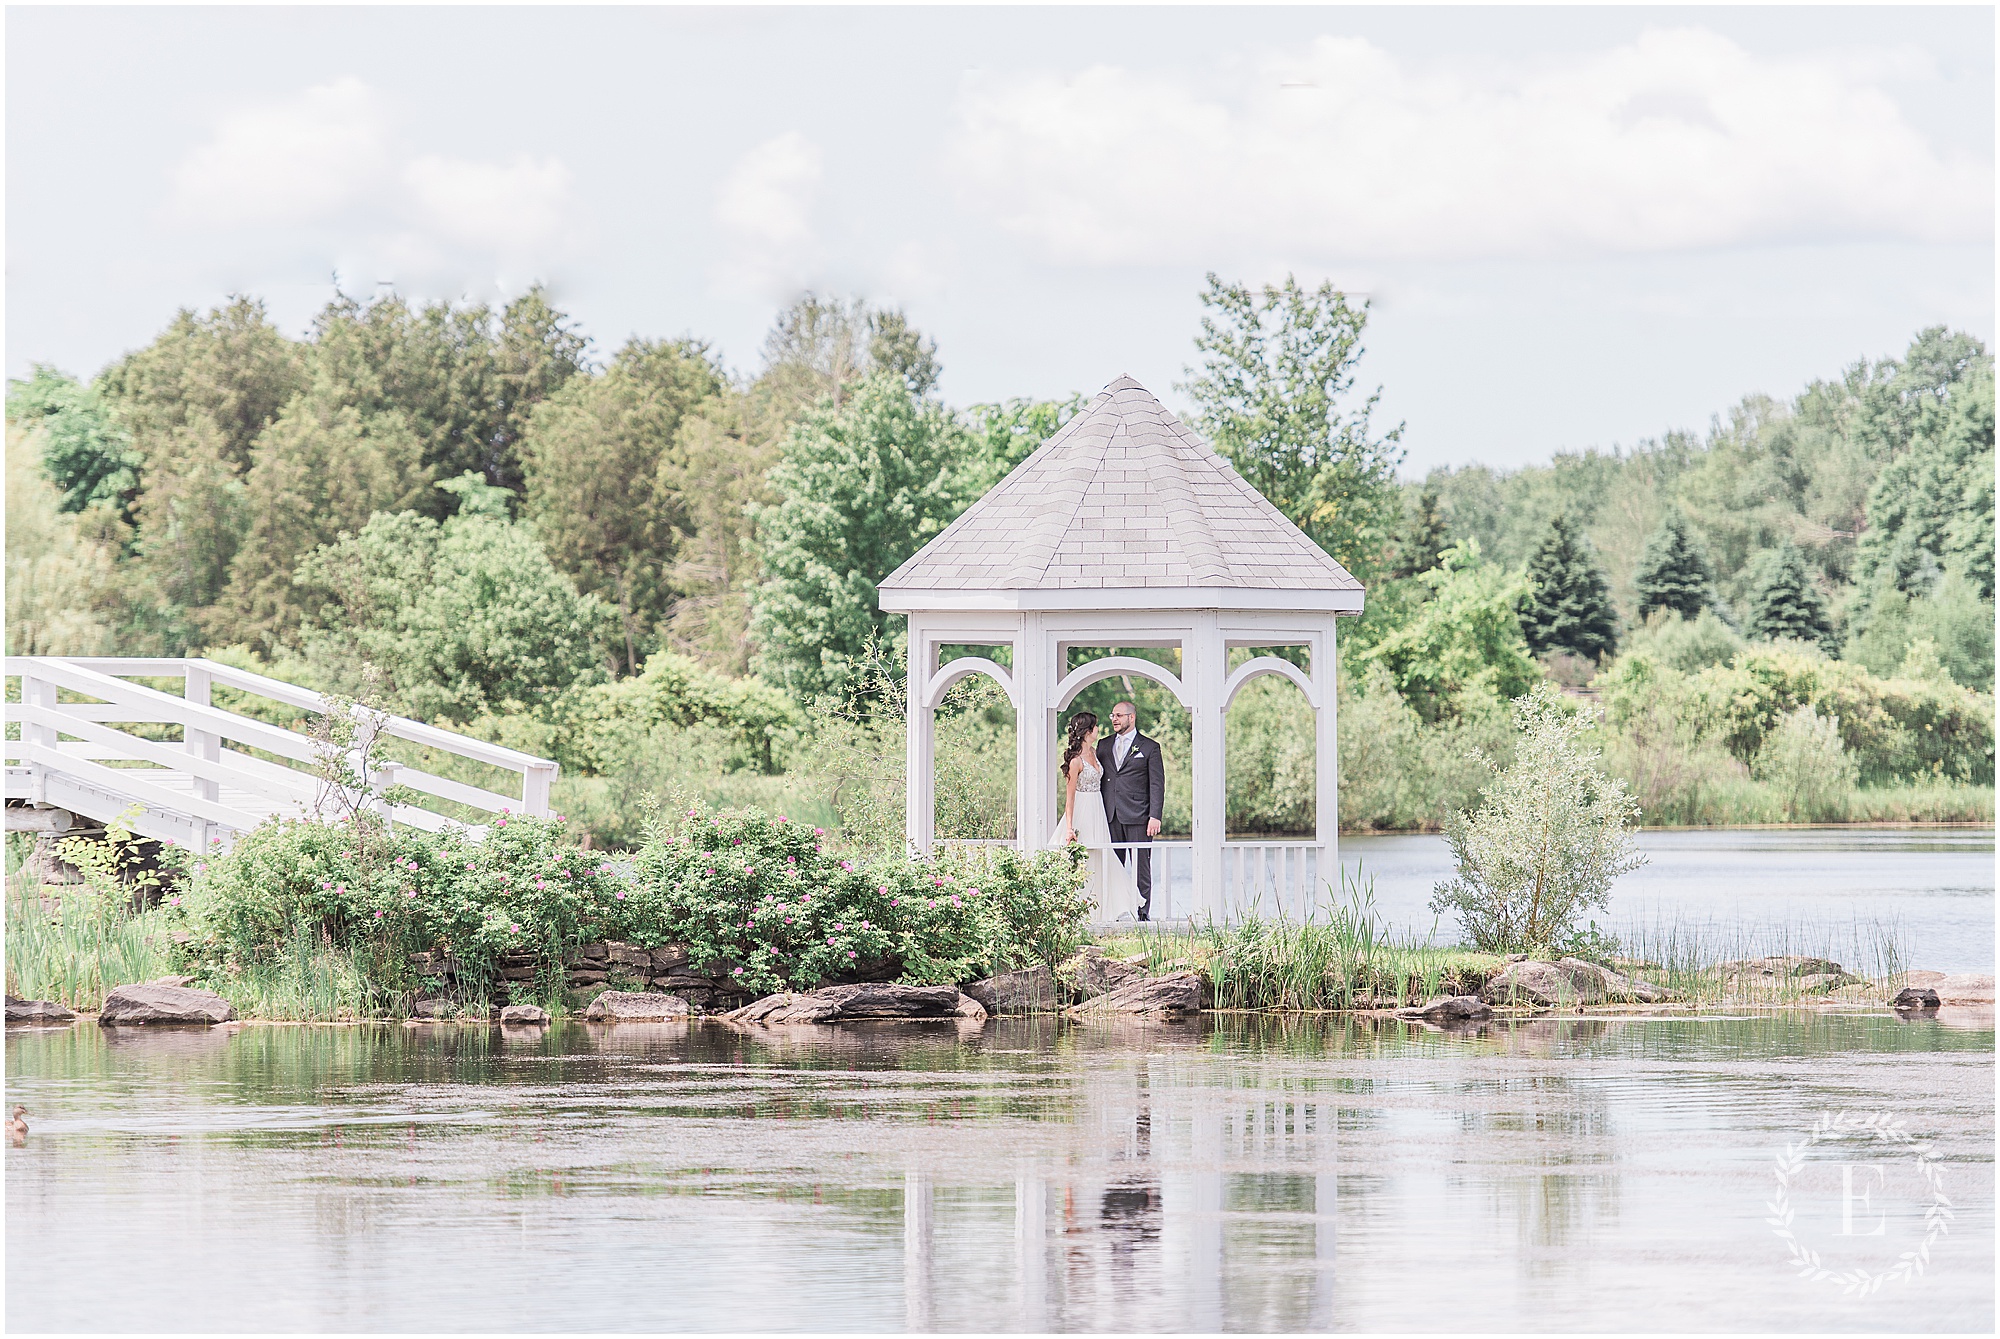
point(1267, 878)
point(70, 743)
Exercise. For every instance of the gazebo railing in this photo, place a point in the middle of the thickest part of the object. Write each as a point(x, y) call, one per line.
point(1269, 879)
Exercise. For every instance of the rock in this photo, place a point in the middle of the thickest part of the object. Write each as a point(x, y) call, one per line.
point(1782, 965)
point(1545, 985)
point(584, 976)
point(171, 981)
point(629, 955)
point(132, 1006)
point(1822, 982)
point(670, 957)
point(523, 1015)
point(1965, 988)
point(1032, 990)
point(597, 952)
point(636, 1007)
point(870, 1000)
point(1915, 997)
point(434, 1010)
point(517, 973)
point(1174, 995)
point(1449, 1009)
point(1090, 974)
point(37, 1011)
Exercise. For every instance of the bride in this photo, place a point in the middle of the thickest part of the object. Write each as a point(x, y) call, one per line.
point(1111, 885)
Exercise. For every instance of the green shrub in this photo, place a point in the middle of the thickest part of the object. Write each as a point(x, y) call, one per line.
point(1804, 760)
point(1552, 835)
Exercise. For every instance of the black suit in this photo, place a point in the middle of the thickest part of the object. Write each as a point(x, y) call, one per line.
point(1134, 794)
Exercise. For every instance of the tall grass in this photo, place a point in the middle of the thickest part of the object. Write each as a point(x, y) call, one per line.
point(1341, 960)
point(1691, 957)
point(75, 950)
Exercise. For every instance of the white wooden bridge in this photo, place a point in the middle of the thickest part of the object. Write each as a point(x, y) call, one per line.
point(78, 754)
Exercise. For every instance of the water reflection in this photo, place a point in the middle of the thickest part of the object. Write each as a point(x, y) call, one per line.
point(1230, 1174)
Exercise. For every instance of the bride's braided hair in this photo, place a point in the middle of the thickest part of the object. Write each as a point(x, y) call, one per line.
point(1082, 726)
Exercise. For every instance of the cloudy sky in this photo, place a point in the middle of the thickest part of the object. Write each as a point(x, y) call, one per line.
point(1578, 227)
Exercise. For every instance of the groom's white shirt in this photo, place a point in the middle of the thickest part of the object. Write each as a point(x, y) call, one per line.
point(1122, 745)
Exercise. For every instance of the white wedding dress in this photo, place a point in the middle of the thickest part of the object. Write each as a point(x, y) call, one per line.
point(1112, 885)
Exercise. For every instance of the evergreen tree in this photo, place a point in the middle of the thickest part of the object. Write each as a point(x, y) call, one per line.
point(1571, 608)
point(607, 483)
point(1673, 573)
point(1427, 536)
point(1785, 602)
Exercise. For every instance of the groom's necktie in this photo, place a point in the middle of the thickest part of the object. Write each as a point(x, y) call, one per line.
point(1122, 746)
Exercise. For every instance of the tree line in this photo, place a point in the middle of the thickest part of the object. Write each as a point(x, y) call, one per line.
point(516, 533)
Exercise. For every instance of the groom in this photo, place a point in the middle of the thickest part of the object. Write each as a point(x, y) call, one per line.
point(1135, 792)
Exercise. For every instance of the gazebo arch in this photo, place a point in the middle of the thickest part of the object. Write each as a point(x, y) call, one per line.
point(1125, 529)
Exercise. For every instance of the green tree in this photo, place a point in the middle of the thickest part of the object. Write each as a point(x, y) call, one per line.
point(63, 592)
point(607, 486)
point(1005, 434)
point(193, 517)
point(1785, 601)
point(539, 351)
point(1272, 394)
point(86, 452)
point(1425, 534)
point(1461, 648)
point(861, 488)
point(1673, 573)
point(463, 618)
point(323, 467)
point(1570, 609)
point(232, 368)
point(1552, 835)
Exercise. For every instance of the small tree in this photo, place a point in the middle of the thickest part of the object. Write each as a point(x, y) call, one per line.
point(1806, 763)
point(1785, 602)
point(1673, 573)
point(1571, 608)
point(1553, 834)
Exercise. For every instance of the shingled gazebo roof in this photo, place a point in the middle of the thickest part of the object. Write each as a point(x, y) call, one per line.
point(1124, 498)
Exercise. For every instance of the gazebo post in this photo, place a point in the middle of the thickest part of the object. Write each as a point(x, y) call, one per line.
point(1033, 765)
point(1206, 663)
point(920, 740)
point(1326, 759)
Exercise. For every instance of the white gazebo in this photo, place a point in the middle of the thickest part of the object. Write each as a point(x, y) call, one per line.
point(1126, 530)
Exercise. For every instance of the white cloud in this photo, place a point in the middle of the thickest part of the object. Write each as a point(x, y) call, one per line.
point(293, 161)
point(511, 209)
point(1677, 140)
point(328, 172)
point(764, 208)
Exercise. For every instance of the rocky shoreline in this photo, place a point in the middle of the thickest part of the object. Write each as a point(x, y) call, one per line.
point(612, 982)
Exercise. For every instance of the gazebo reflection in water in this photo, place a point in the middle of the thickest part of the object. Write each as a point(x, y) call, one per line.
point(1175, 1206)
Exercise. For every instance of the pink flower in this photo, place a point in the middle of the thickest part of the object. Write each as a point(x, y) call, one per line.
point(199, 867)
point(972, 892)
point(895, 901)
point(864, 925)
point(829, 939)
point(215, 841)
point(176, 902)
point(500, 822)
point(738, 971)
point(621, 894)
point(788, 920)
point(805, 897)
point(938, 882)
point(326, 885)
point(850, 953)
point(378, 915)
point(503, 878)
point(932, 902)
point(819, 832)
point(838, 926)
point(791, 860)
point(468, 864)
point(955, 902)
point(410, 892)
point(561, 819)
point(539, 883)
point(846, 865)
point(340, 888)
point(711, 871)
point(748, 870)
point(737, 842)
point(505, 810)
point(513, 929)
point(884, 890)
point(604, 869)
point(781, 818)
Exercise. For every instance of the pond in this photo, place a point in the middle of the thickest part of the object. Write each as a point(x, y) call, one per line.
point(1230, 1173)
point(1823, 891)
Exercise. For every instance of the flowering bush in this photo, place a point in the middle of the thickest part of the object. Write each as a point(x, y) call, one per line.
point(387, 893)
point(764, 900)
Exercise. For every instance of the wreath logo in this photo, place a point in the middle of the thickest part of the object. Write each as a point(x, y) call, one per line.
point(1882, 1130)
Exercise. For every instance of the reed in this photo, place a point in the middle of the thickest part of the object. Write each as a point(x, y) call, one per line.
point(74, 943)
